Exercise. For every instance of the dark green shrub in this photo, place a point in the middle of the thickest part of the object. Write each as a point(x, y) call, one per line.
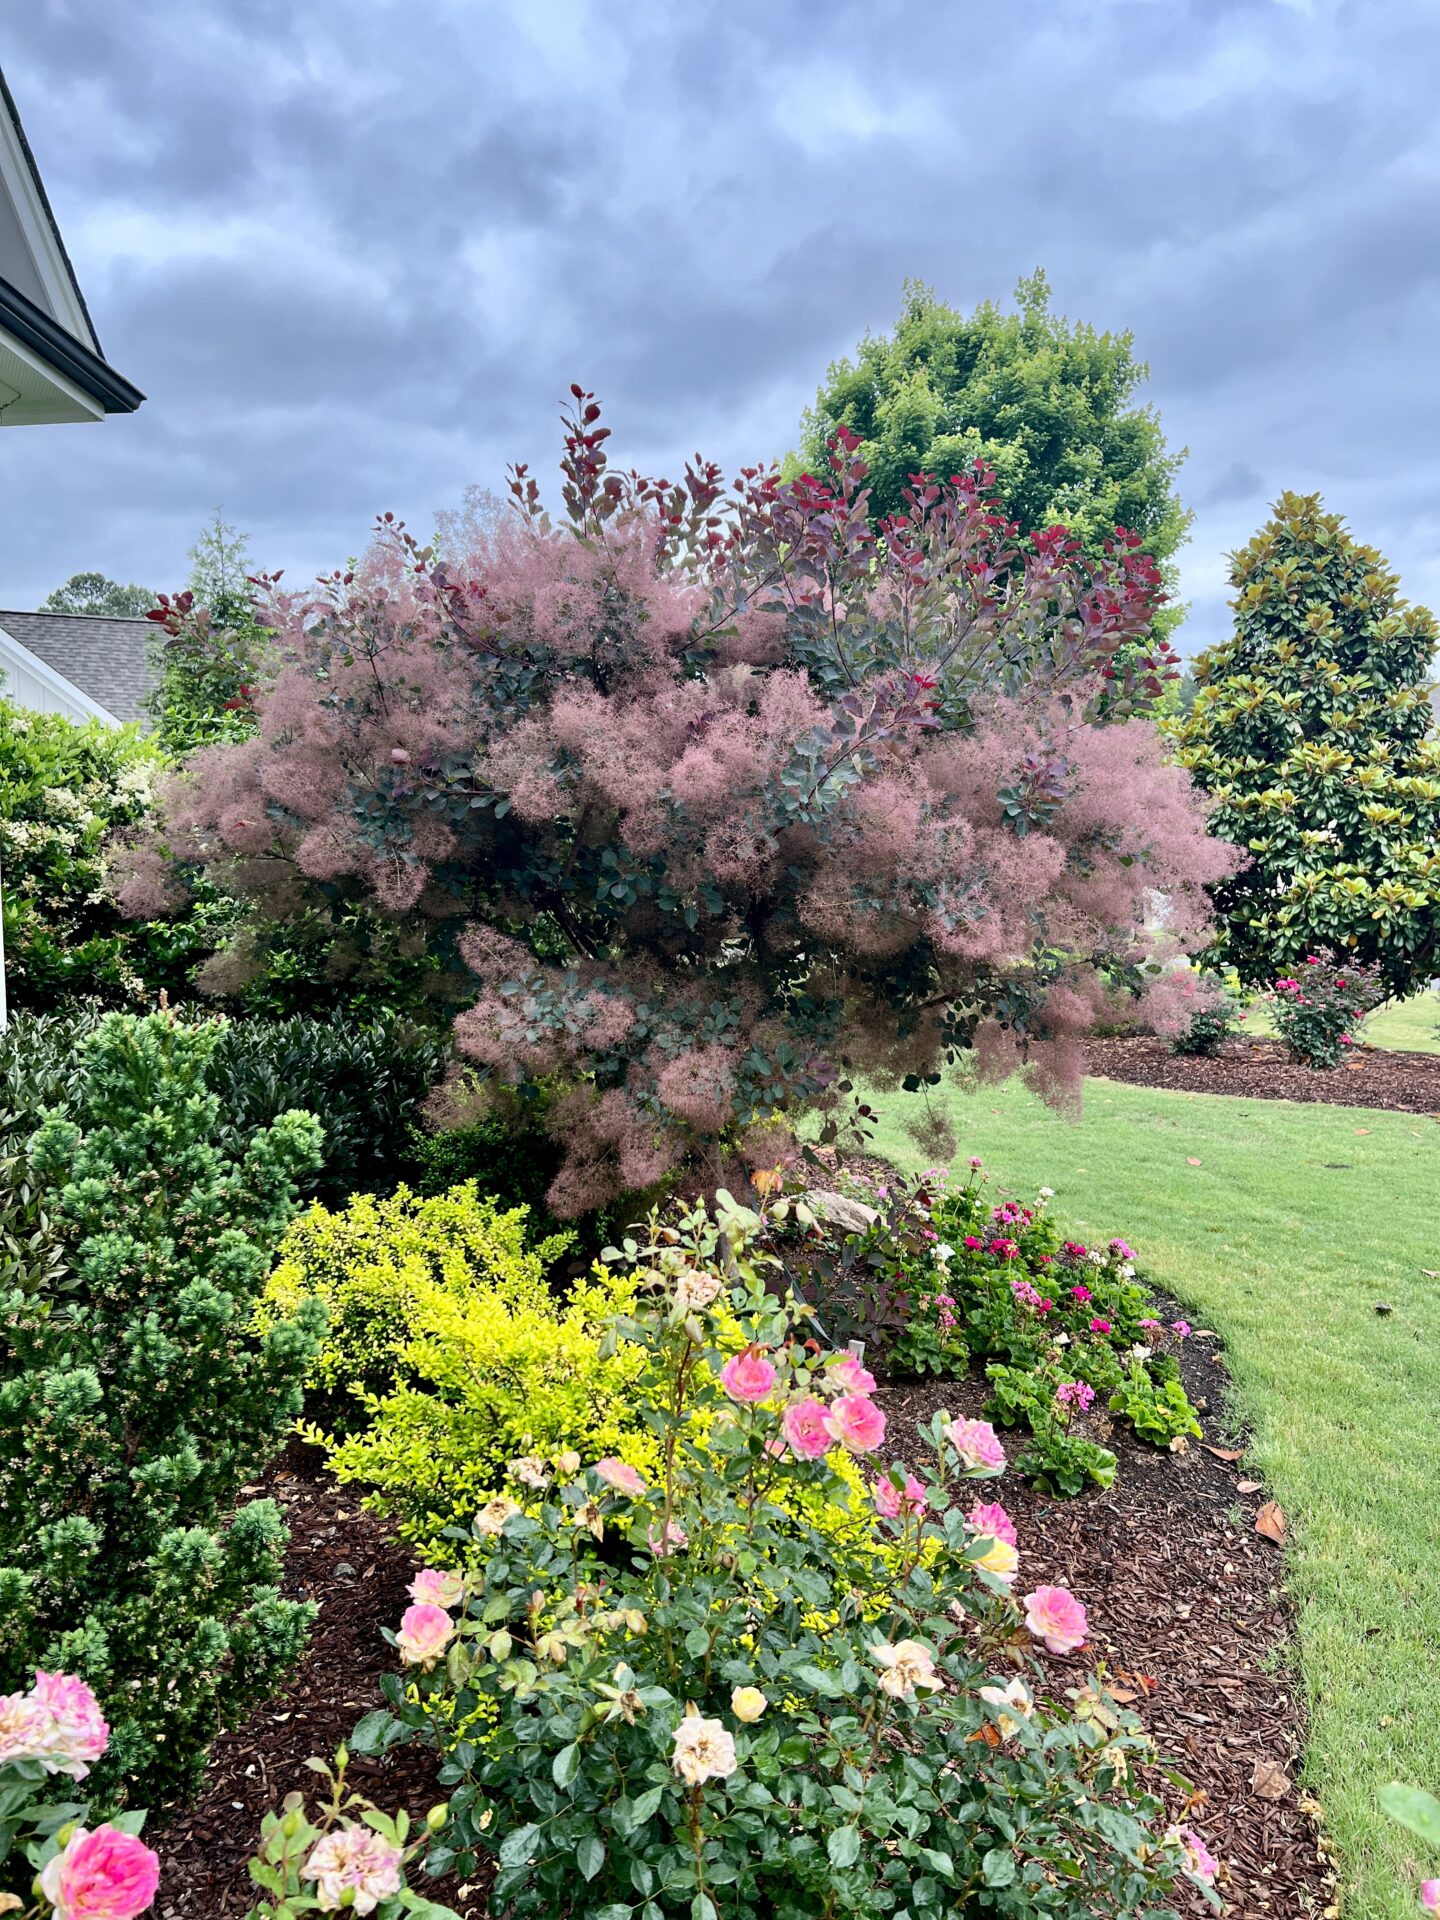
point(135, 1405)
point(1213, 1022)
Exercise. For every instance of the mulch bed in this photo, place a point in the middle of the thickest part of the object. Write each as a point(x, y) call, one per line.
point(1183, 1593)
point(1179, 1586)
point(1260, 1069)
point(344, 1558)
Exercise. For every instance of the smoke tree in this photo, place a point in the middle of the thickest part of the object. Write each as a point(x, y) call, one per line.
point(715, 795)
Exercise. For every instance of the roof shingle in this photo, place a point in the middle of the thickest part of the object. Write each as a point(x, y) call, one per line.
point(105, 657)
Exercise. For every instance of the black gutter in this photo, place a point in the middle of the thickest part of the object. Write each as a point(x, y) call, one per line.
point(60, 350)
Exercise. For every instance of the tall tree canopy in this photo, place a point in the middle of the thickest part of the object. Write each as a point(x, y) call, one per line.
point(1313, 730)
point(1047, 405)
point(97, 593)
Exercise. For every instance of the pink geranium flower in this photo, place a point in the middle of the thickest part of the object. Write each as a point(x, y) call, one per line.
point(857, 1423)
point(846, 1371)
point(973, 1243)
point(892, 1503)
point(805, 1426)
point(977, 1444)
point(1076, 1393)
point(1099, 1326)
point(1180, 1327)
point(620, 1475)
point(990, 1521)
point(1054, 1615)
point(101, 1875)
point(1025, 1294)
point(1082, 1294)
point(748, 1377)
point(425, 1632)
point(1430, 1895)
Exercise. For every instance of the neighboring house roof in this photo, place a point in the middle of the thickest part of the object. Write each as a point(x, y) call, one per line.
point(51, 365)
point(103, 659)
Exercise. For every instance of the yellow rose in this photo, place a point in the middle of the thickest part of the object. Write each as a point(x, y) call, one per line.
point(748, 1703)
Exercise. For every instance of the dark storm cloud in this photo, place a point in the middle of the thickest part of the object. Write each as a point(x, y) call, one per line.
point(355, 254)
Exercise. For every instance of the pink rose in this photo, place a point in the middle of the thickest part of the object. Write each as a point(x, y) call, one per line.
point(619, 1475)
point(991, 1522)
point(748, 1377)
point(674, 1540)
point(891, 1502)
point(1054, 1615)
point(425, 1632)
point(58, 1723)
point(846, 1371)
point(431, 1588)
point(804, 1426)
point(353, 1858)
point(1199, 1860)
point(104, 1875)
point(977, 1444)
point(857, 1423)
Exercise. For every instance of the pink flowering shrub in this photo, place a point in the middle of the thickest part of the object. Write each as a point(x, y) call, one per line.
point(704, 796)
point(1318, 1010)
point(767, 1718)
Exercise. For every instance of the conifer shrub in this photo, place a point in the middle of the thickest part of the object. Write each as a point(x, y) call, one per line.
point(135, 1405)
point(706, 797)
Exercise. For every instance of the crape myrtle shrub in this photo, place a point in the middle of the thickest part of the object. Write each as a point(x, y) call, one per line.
point(1313, 731)
point(134, 1405)
point(721, 794)
point(368, 1078)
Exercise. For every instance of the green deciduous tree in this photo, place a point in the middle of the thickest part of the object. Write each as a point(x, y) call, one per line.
point(1048, 404)
point(1313, 731)
point(135, 1403)
point(97, 593)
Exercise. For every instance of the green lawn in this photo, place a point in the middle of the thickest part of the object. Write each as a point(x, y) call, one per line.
point(1282, 1226)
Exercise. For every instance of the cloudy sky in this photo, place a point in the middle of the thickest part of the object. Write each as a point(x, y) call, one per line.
point(354, 251)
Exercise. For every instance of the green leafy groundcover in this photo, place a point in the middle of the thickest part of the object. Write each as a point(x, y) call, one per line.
point(675, 1695)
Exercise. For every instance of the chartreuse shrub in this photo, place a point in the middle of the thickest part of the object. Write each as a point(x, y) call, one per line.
point(135, 1404)
point(491, 1371)
point(941, 1277)
point(666, 1693)
point(371, 1262)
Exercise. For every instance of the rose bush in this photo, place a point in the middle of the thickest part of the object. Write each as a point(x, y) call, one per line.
point(681, 1698)
point(1318, 1010)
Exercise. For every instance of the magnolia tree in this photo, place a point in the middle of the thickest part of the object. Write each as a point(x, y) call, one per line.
point(719, 795)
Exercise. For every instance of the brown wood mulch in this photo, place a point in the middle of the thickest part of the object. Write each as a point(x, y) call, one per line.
point(1185, 1607)
point(344, 1558)
point(1261, 1070)
point(1179, 1586)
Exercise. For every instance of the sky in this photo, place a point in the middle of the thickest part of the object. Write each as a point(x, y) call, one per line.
point(355, 251)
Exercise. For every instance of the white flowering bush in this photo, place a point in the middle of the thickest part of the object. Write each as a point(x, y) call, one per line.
point(674, 1694)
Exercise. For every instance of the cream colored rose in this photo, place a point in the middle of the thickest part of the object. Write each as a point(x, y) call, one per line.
point(704, 1749)
point(906, 1666)
point(748, 1703)
point(1014, 1703)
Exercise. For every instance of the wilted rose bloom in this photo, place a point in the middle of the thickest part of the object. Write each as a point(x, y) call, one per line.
point(425, 1632)
point(674, 1540)
point(991, 1520)
point(431, 1588)
point(695, 1290)
point(353, 1859)
point(58, 1722)
point(1198, 1858)
point(1000, 1559)
point(101, 1875)
point(977, 1443)
point(1054, 1615)
point(530, 1470)
point(490, 1520)
point(621, 1476)
point(905, 1666)
point(1013, 1702)
point(704, 1749)
point(891, 1502)
point(857, 1423)
point(748, 1377)
point(806, 1429)
point(846, 1371)
point(747, 1704)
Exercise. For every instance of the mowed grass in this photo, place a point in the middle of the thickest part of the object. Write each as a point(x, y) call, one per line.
point(1284, 1227)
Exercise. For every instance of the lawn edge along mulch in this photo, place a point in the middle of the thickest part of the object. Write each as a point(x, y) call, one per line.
point(1261, 1070)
